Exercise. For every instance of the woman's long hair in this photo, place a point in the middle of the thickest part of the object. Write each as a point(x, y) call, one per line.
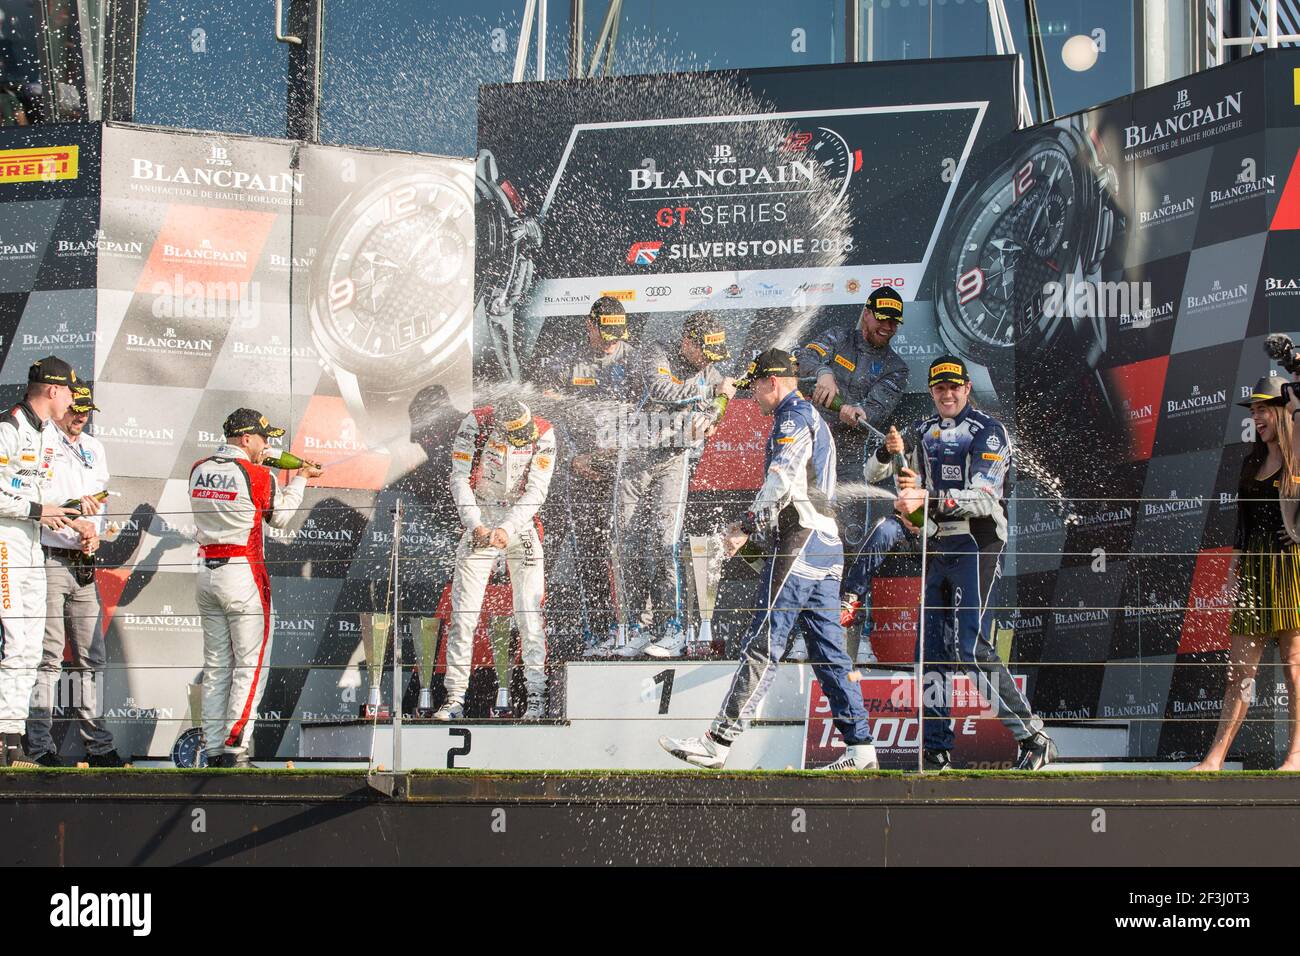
point(1290, 483)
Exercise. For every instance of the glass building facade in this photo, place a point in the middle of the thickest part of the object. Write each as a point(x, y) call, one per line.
point(404, 74)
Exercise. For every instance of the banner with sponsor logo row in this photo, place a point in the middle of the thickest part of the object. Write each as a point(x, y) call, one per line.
point(327, 288)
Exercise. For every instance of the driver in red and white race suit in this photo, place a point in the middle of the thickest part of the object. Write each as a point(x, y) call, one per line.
point(233, 496)
point(26, 464)
point(501, 467)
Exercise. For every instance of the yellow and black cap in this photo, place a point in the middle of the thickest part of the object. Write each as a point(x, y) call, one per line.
point(51, 370)
point(948, 368)
point(887, 303)
point(1267, 390)
point(776, 362)
point(610, 318)
point(83, 401)
point(513, 420)
point(704, 329)
point(246, 421)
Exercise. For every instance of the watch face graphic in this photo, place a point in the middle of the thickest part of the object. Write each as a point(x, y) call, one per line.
point(834, 157)
point(1022, 228)
point(393, 292)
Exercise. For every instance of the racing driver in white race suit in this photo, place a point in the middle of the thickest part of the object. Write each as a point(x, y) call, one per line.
point(233, 495)
point(501, 466)
point(26, 461)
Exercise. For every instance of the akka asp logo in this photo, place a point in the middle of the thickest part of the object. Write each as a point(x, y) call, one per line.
point(643, 253)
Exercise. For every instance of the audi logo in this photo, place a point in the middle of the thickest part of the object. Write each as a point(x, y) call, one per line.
point(659, 290)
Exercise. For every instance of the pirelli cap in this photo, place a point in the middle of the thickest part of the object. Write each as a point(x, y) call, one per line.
point(610, 318)
point(948, 368)
point(51, 370)
point(83, 400)
point(514, 421)
point(777, 362)
point(1268, 390)
point(885, 301)
point(246, 421)
point(704, 329)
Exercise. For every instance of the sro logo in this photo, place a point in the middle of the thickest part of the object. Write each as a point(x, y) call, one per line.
point(672, 215)
point(893, 283)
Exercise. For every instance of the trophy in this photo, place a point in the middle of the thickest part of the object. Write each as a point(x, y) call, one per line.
point(706, 575)
point(374, 637)
point(426, 657)
point(499, 629)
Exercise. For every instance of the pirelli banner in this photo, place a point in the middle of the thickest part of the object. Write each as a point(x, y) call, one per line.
point(189, 275)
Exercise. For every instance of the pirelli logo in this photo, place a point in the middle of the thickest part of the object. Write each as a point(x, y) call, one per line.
point(39, 164)
point(989, 456)
point(788, 440)
point(817, 348)
point(841, 360)
point(623, 295)
point(584, 381)
point(715, 338)
point(461, 456)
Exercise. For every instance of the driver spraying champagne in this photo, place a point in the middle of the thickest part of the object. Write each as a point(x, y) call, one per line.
point(800, 584)
point(960, 461)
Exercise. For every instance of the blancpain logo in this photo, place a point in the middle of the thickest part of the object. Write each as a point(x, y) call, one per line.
point(1198, 706)
point(60, 336)
point(1243, 190)
point(1129, 710)
point(1143, 318)
point(902, 346)
point(1174, 506)
point(131, 430)
point(1167, 211)
point(1138, 413)
point(99, 243)
point(1080, 617)
point(1043, 526)
point(294, 625)
point(311, 531)
point(206, 300)
point(17, 250)
point(1025, 622)
point(169, 341)
point(205, 252)
point(1197, 401)
point(1109, 516)
point(282, 263)
point(728, 176)
point(221, 178)
point(564, 298)
point(167, 620)
point(1281, 287)
point(333, 444)
point(1185, 118)
point(273, 349)
point(1218, 296)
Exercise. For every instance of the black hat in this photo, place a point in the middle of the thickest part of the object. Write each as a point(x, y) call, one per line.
point(704, 329)
point(82, 400)
point(514, 420)
point(51, 370)
point(948, 368)
point(1268, 390)
point(610, 318)
point(246, 421)
point(885, 301)
point(772, 362)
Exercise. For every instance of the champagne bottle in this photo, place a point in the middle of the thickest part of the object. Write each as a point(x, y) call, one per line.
point(286, 460)
point(806, 386)
point(100, 496)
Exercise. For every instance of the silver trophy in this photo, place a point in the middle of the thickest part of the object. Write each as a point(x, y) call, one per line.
point(706, 575)
point(374, 637)
point(426, 658)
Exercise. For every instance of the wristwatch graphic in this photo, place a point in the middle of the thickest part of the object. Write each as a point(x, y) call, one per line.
point(391, 301)
point(507, 241)
point(1047, 214)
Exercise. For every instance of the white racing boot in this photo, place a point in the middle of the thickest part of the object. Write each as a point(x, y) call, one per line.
point(452, 710)
point(672, 644)
point(706, 751)
point(637, 642)
point(857, 757)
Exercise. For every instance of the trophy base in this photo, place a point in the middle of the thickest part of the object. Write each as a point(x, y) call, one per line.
point(372, 712)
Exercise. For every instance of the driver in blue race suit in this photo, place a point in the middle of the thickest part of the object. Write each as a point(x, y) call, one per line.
point(793, 518)
point(960, 458)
